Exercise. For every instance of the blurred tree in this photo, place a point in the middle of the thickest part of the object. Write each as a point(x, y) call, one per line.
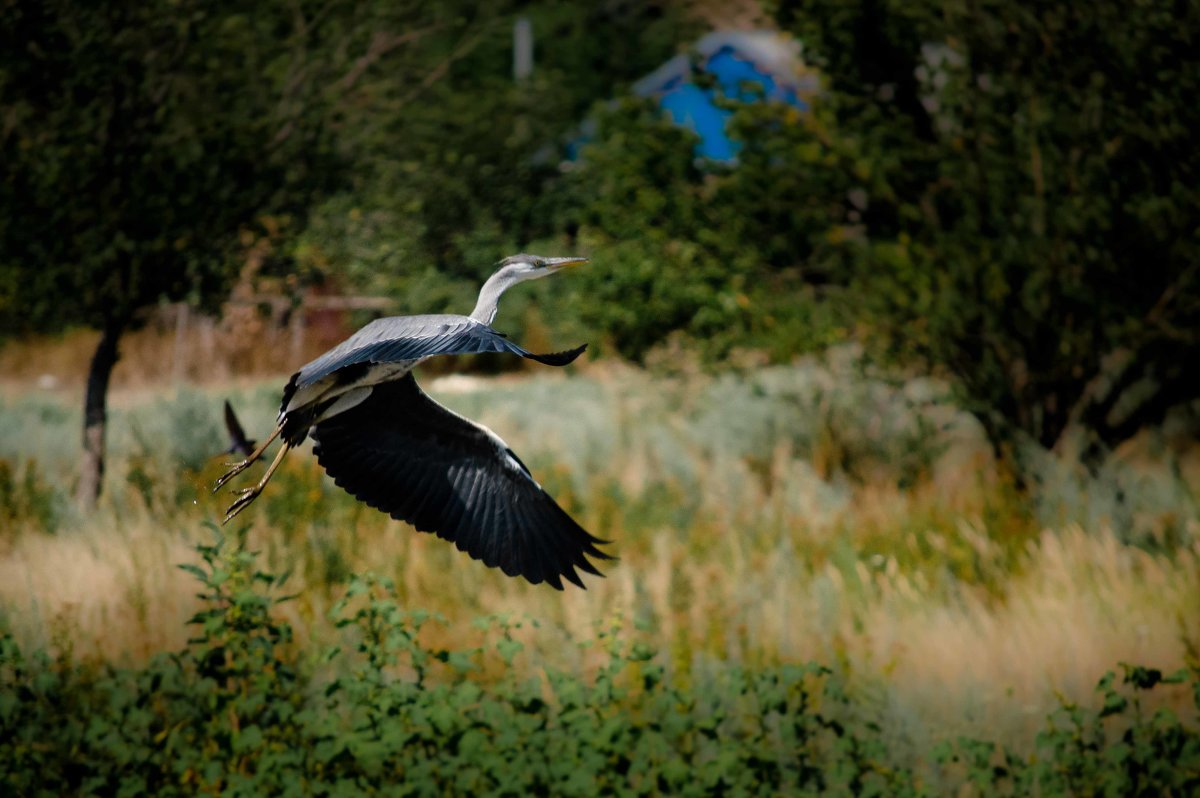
point(663, 259)
point(139, 138)
point(1028, 201)
point(724, 255)
point(448, 180)
point(1005, 193)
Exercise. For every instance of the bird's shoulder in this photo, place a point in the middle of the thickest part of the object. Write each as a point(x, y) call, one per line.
point(398, 328)
point(423, 326)
point(397, 338)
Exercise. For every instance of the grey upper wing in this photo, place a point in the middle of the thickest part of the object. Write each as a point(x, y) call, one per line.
point(403, 453)
point(401, 338)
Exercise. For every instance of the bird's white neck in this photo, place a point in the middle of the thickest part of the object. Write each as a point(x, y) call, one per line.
point(489, 297)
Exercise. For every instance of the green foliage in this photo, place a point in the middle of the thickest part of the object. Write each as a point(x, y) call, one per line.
point(641, 211)
point(239, 711)
point(1011, 176)
point(224, 714)
point(998, 193)
point(685, 248)
point(448, 167)
point(1152, 755)
point(139, 138)
point(995, 193)
point(1116, 750)
point(26, 496)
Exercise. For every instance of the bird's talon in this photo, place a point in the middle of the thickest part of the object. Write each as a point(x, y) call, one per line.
point(245, 497)
point(236, 469)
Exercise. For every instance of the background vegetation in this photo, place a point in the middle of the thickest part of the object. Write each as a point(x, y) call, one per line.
point(237, 713)
point(892, 420)
point(765, 520)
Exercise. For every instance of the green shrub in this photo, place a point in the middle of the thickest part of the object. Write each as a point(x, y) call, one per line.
point(1117, 750)
point(242, 711)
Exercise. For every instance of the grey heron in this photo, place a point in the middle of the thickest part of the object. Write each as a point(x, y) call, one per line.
point(387, 443)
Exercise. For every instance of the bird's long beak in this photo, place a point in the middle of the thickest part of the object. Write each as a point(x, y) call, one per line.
point(554, 264)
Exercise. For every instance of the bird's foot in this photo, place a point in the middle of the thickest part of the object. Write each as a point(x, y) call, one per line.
point(245, 497)
point(238, 468)
point(231, 473)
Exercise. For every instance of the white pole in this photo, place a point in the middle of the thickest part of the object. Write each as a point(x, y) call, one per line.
point(522, 49)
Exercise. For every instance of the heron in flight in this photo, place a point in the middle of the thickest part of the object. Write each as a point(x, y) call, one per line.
point(387, 443)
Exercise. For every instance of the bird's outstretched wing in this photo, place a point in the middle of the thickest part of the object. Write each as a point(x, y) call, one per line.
point(238, 442)
point(403, 338)
point(403, 453)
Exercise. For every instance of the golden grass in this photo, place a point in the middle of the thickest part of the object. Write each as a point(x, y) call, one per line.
point(946, 597)
point(1084, 603)
point(965, 661)
point(207, 351)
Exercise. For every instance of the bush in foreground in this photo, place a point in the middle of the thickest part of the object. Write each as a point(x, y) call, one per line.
point(242, 711)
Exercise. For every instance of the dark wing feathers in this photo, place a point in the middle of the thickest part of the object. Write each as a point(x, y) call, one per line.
point(238, 442)
point(403, 453)
point(414, 337)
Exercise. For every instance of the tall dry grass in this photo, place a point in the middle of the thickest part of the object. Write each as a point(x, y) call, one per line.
point(808, 512)
point(173, 345)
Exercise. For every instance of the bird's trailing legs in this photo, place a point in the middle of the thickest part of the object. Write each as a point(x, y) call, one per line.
point(247, 495)
point(242, 466)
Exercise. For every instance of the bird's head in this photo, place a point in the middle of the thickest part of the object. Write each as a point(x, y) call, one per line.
point(518, 268)
point(512, 270)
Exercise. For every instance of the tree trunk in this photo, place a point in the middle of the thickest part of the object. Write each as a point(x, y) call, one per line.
point(95, 416)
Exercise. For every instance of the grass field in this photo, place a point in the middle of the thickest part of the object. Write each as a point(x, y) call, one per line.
point(804, 513)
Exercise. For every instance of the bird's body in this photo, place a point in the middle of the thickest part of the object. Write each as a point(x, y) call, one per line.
point(320, 376)
point(391, 446)
point(387, 349)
